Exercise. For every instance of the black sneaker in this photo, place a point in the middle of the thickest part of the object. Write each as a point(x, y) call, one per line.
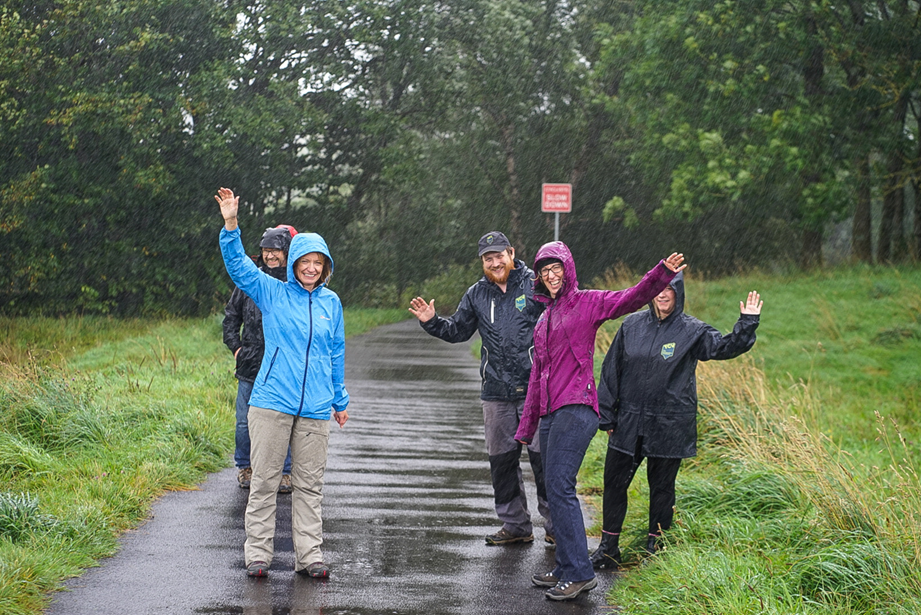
point(548, 579)
point(258, 569)
point(607, 555)
point(505, 537)
point(570, 590)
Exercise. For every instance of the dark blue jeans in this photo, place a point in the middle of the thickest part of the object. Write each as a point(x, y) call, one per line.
point(564, 437)
point(241, 434)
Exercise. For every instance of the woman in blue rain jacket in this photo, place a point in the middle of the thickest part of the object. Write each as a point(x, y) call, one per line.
point(298, 388)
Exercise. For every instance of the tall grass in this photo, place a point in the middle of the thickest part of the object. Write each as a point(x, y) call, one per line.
point(798, 502)
point(96, 421)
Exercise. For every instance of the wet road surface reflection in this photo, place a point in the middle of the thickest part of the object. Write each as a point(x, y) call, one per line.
point(407, 502)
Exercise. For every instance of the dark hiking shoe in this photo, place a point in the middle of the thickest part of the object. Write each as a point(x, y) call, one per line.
point(569, 590)
point(605, 560)
point(245, 477)
point(258, 569)
point(285, 485)
point(549, 538)
point(505, 537)
point(548, 579)
point(653, 544)
point(607, 555)
point(316, 570)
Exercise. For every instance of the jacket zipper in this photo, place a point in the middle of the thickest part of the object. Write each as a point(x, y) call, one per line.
point(492, 311)
point(307, 356)
point(549, 312)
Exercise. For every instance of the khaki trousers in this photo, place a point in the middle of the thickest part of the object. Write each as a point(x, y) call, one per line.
point(271, 433)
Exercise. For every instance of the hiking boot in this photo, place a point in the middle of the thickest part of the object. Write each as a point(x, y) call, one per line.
point(245, 477)
point(653, 544)
point(607, 555)
point(316, 570)
point(285, 485)
point(549, 538)
point(569, 590)
point(505, 537)
point(257, 569)
point(548, 579)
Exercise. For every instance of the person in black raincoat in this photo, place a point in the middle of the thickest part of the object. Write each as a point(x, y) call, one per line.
point(647, 400)
point(501, 306)
point(243, 337)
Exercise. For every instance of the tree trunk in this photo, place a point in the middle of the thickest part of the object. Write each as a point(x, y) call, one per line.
point(861, 231)
point(916, 253)
point(516, 235)
point(891, 234)
point(811, 254)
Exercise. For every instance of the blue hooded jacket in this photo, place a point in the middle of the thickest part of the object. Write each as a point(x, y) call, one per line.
point(303, 367)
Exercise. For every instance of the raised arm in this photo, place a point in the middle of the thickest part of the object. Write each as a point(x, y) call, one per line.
point(458, 328)
point(240, 267)
point(715, 346)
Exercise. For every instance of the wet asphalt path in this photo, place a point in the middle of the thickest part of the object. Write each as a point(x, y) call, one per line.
point(407, 501)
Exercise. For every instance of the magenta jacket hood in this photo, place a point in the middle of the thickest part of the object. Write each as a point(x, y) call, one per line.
point(564, 336)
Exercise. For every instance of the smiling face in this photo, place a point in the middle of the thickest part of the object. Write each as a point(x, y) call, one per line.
point(497, 265)
point(274, 258)
point(665, 302)
point(552, 277)
point(308, 269)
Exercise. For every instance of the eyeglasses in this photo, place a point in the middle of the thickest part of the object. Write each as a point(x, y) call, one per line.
point(555, 269)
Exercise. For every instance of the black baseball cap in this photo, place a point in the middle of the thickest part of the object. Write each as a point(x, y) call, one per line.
point(493, 241)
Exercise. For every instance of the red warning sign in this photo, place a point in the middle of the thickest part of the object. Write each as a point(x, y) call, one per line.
point(556, 198)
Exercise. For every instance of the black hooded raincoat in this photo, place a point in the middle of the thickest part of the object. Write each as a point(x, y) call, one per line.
point(648, 385)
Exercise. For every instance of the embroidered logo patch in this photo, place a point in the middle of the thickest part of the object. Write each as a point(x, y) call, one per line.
point(668, 350)
point(520, 302)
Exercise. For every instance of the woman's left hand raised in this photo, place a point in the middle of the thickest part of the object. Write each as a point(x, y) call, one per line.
point(341, 417)
point(674, 261)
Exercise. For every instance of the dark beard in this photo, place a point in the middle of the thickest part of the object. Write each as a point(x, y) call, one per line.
point(500, 279)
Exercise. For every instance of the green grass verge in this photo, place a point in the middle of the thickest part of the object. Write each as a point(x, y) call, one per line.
point(805, 497)
point(98, 417)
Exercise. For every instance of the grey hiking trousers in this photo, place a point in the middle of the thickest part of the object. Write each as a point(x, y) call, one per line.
point(501, 419)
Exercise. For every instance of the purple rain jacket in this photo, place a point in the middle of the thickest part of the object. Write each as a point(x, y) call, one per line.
point(564, 336)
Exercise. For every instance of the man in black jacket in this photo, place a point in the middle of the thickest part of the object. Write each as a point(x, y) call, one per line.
point(501, 307)
point(647, 398)
point(247, 348)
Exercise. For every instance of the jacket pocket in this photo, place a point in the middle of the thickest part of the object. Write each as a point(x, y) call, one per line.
point(271, 365)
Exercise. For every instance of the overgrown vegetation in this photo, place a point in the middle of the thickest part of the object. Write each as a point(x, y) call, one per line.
point(97, 418)
point(744, 131)
point(805, 497)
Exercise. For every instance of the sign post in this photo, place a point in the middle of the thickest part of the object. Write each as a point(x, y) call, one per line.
point(556, 198)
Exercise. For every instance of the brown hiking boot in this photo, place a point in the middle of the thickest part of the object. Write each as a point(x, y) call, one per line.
point(505, 537)
point(285, 485)
point(245, 477)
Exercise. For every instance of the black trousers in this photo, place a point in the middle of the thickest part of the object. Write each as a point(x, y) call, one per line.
point(619, 470)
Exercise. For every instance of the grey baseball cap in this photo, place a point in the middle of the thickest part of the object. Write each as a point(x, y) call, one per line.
point(493, 241)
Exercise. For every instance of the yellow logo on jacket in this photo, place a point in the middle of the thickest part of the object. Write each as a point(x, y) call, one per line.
point(668, 350)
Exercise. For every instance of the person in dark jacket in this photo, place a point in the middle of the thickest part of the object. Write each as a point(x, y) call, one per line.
point(647, 400)
point(247, 346)
point(501, 307)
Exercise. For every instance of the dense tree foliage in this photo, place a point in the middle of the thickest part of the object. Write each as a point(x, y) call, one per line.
point(739, 132)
